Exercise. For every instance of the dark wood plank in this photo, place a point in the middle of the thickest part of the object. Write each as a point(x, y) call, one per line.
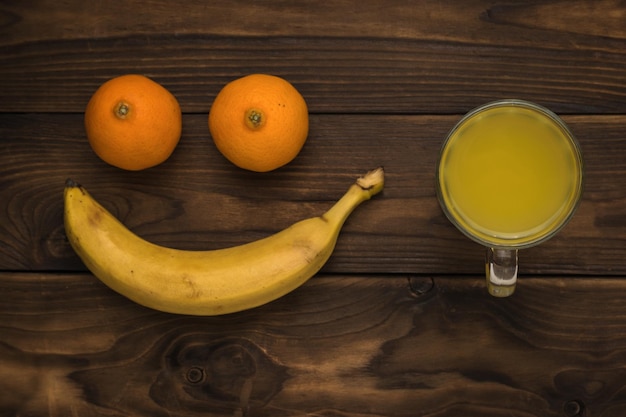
point(338, 346)
point(198, 200)
point(39, 20)
point(398, 58)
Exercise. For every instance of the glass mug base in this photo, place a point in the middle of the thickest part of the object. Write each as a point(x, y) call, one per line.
point(501, 267)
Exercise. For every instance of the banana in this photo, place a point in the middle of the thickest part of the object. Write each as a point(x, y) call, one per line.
point(211, 282)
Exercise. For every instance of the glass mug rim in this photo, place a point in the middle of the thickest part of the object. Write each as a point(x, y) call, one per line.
point(567, 134)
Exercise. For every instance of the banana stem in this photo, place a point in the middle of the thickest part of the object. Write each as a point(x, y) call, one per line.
point(363, 189)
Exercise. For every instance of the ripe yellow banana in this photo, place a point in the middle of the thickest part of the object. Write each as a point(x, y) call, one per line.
point(206, 282)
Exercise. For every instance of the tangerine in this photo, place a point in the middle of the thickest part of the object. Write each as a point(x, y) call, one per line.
point(259, 122)
point(133, 122)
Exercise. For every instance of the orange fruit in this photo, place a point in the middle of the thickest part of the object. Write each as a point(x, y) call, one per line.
point(132, 122)
point(259, 122)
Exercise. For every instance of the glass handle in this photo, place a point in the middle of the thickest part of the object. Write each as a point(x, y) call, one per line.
point(501, 266)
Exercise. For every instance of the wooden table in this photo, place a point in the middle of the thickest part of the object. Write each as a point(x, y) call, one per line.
point(398, 323)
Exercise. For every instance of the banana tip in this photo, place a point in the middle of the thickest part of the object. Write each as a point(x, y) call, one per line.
point(373, 181)
point(70, 183)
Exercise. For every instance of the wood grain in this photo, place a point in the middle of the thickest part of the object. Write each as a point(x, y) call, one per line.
point(399, 323)
point(198, 200)
point(46, 19)
point(338, 346)
point(431, 57)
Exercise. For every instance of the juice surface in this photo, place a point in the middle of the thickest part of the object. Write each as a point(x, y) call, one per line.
point(509, 176)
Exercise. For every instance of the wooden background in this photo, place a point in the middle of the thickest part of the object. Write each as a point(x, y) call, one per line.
point(398, 323)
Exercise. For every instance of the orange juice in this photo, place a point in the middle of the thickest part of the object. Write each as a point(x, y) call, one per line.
point(510, 174)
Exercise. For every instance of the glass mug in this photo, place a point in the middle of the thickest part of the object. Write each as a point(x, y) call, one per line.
point(509, 176)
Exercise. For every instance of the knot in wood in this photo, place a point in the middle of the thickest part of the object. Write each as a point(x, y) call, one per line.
point(573, 408)
point(195, 375)
point(420, 286)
